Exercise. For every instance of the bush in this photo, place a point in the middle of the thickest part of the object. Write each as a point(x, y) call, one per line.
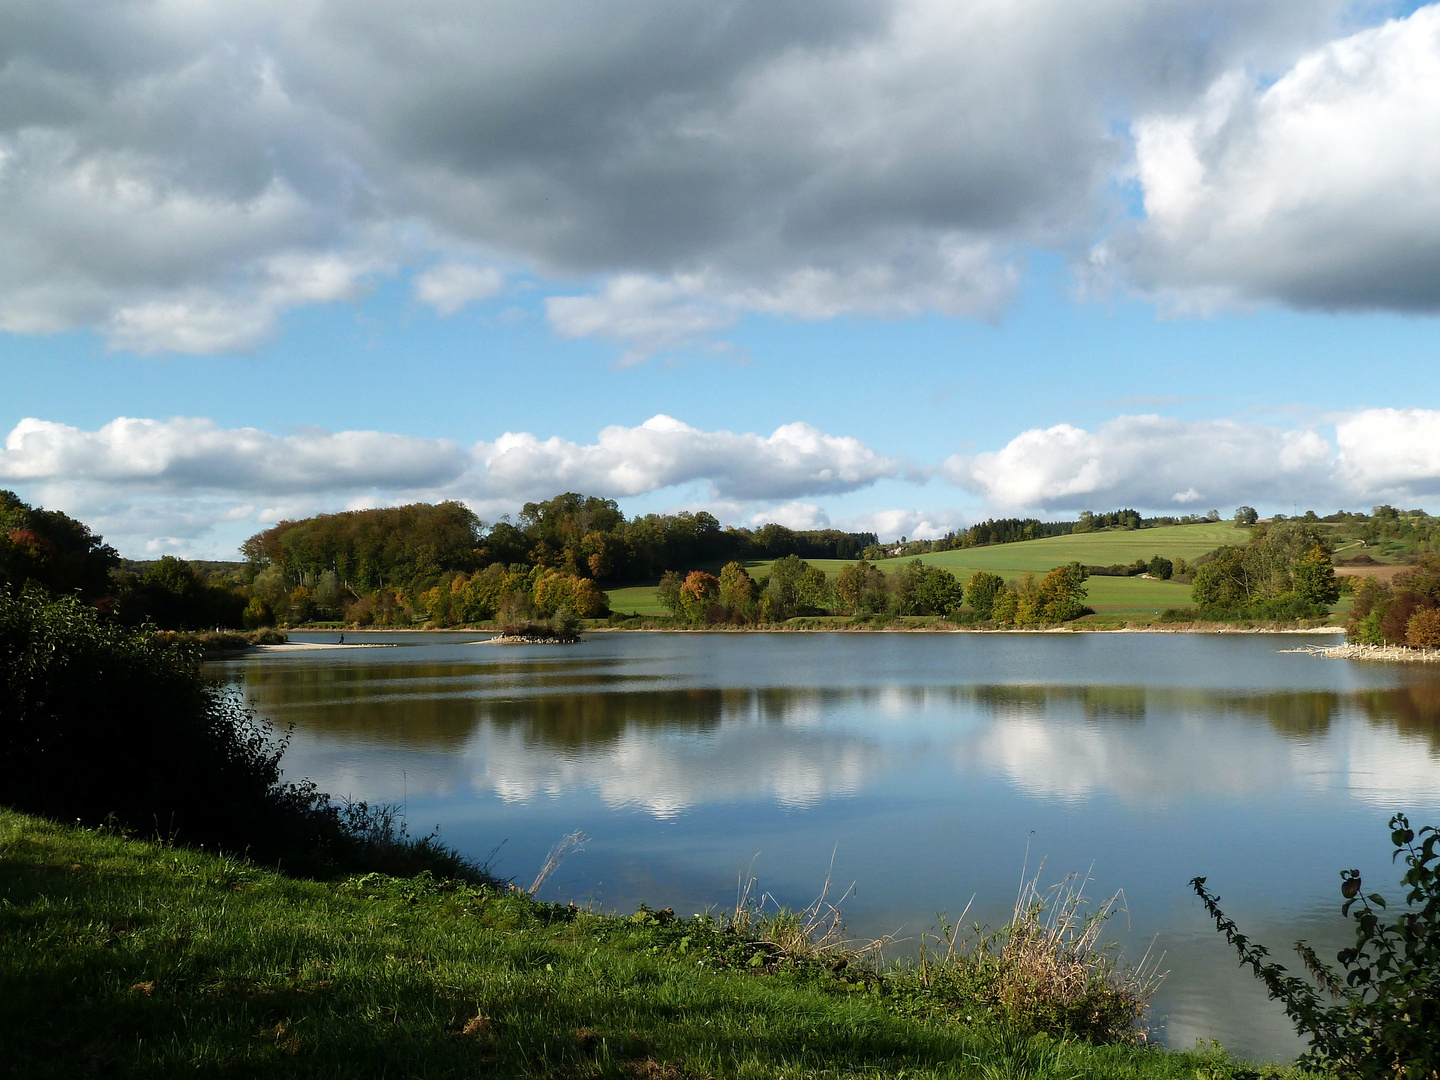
point(1385, 1021)
point(102, 724)
point(99, 721)
point(563, 626)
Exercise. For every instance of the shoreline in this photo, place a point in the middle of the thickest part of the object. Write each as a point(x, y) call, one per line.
point(306, 646)
point(1189, 629)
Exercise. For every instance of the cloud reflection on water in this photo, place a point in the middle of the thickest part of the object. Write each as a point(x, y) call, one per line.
point(1159, 747)
point(666, 750)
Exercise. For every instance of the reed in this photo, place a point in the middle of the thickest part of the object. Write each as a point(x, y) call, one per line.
point(1048, 970)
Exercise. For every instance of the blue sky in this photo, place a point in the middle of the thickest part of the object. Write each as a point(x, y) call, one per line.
point(897, 266)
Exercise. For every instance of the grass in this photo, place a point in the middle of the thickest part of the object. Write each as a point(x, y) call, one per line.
point(1094, 549)
point(135, 959)
point(636, 599)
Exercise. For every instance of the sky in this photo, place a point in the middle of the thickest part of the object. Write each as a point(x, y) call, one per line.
point(889, 265)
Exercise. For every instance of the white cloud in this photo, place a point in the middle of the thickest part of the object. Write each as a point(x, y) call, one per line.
point(1391, 452)
point(451, 286)
point(793, 515)
point(890, 525)
point(1153, 462)
point(649, 315)
point(137, 479)
point(1320, 189)
point(796, 459)
point(947, 274)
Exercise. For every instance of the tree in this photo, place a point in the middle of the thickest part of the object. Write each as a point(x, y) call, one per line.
point(1161, 567)
point(795, 588)
point(1422, 629)
point(920, 589)
point(327, 594)
point(555, 591)
point(1221, 583)
point(1314, 578)
point(862, 588)
point(1062, 593)
point(1382, 1017)
point(737, 589)
point(982, 590)
point(668, 592)
point(1383, 614)
point(1284, 572)
point(697, 594)
point(1005, 606)
point(53, 550)
point(1029, 606)
point(1245, 515)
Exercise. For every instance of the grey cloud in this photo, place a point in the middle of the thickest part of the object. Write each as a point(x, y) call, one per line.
point(803, 159)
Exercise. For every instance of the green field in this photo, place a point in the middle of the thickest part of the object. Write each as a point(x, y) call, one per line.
point(1109, 596)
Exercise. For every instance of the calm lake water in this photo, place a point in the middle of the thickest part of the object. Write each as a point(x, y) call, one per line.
point(926, 766)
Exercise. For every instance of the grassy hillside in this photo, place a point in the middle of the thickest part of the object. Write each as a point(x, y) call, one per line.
point(1115, 597)
point(128, 959)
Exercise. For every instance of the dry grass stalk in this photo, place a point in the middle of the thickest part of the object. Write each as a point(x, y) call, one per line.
point(570, 843)
point(815, 931)
point(1049, 967)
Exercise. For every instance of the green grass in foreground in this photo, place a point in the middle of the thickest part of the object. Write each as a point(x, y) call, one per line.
point(123, 958)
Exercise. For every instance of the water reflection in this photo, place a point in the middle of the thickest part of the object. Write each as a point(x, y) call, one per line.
point(526, 728)
point(928, 760)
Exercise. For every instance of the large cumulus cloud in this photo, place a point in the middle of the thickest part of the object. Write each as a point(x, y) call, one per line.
point(178, 176)
point(1320, 189)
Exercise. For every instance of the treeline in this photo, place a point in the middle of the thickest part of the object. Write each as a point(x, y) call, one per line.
point(53, 553)
point(1403, 531)
point(440, 562)
point(793, 587)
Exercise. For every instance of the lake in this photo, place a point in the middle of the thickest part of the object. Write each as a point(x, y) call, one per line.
point(931, 770)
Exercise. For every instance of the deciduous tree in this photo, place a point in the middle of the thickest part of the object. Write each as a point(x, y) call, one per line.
point(982, 590)
point(699, 592)
point(863, 588)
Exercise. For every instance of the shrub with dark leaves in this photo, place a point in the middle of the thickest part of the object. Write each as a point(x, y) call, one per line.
point(1379, 1016)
